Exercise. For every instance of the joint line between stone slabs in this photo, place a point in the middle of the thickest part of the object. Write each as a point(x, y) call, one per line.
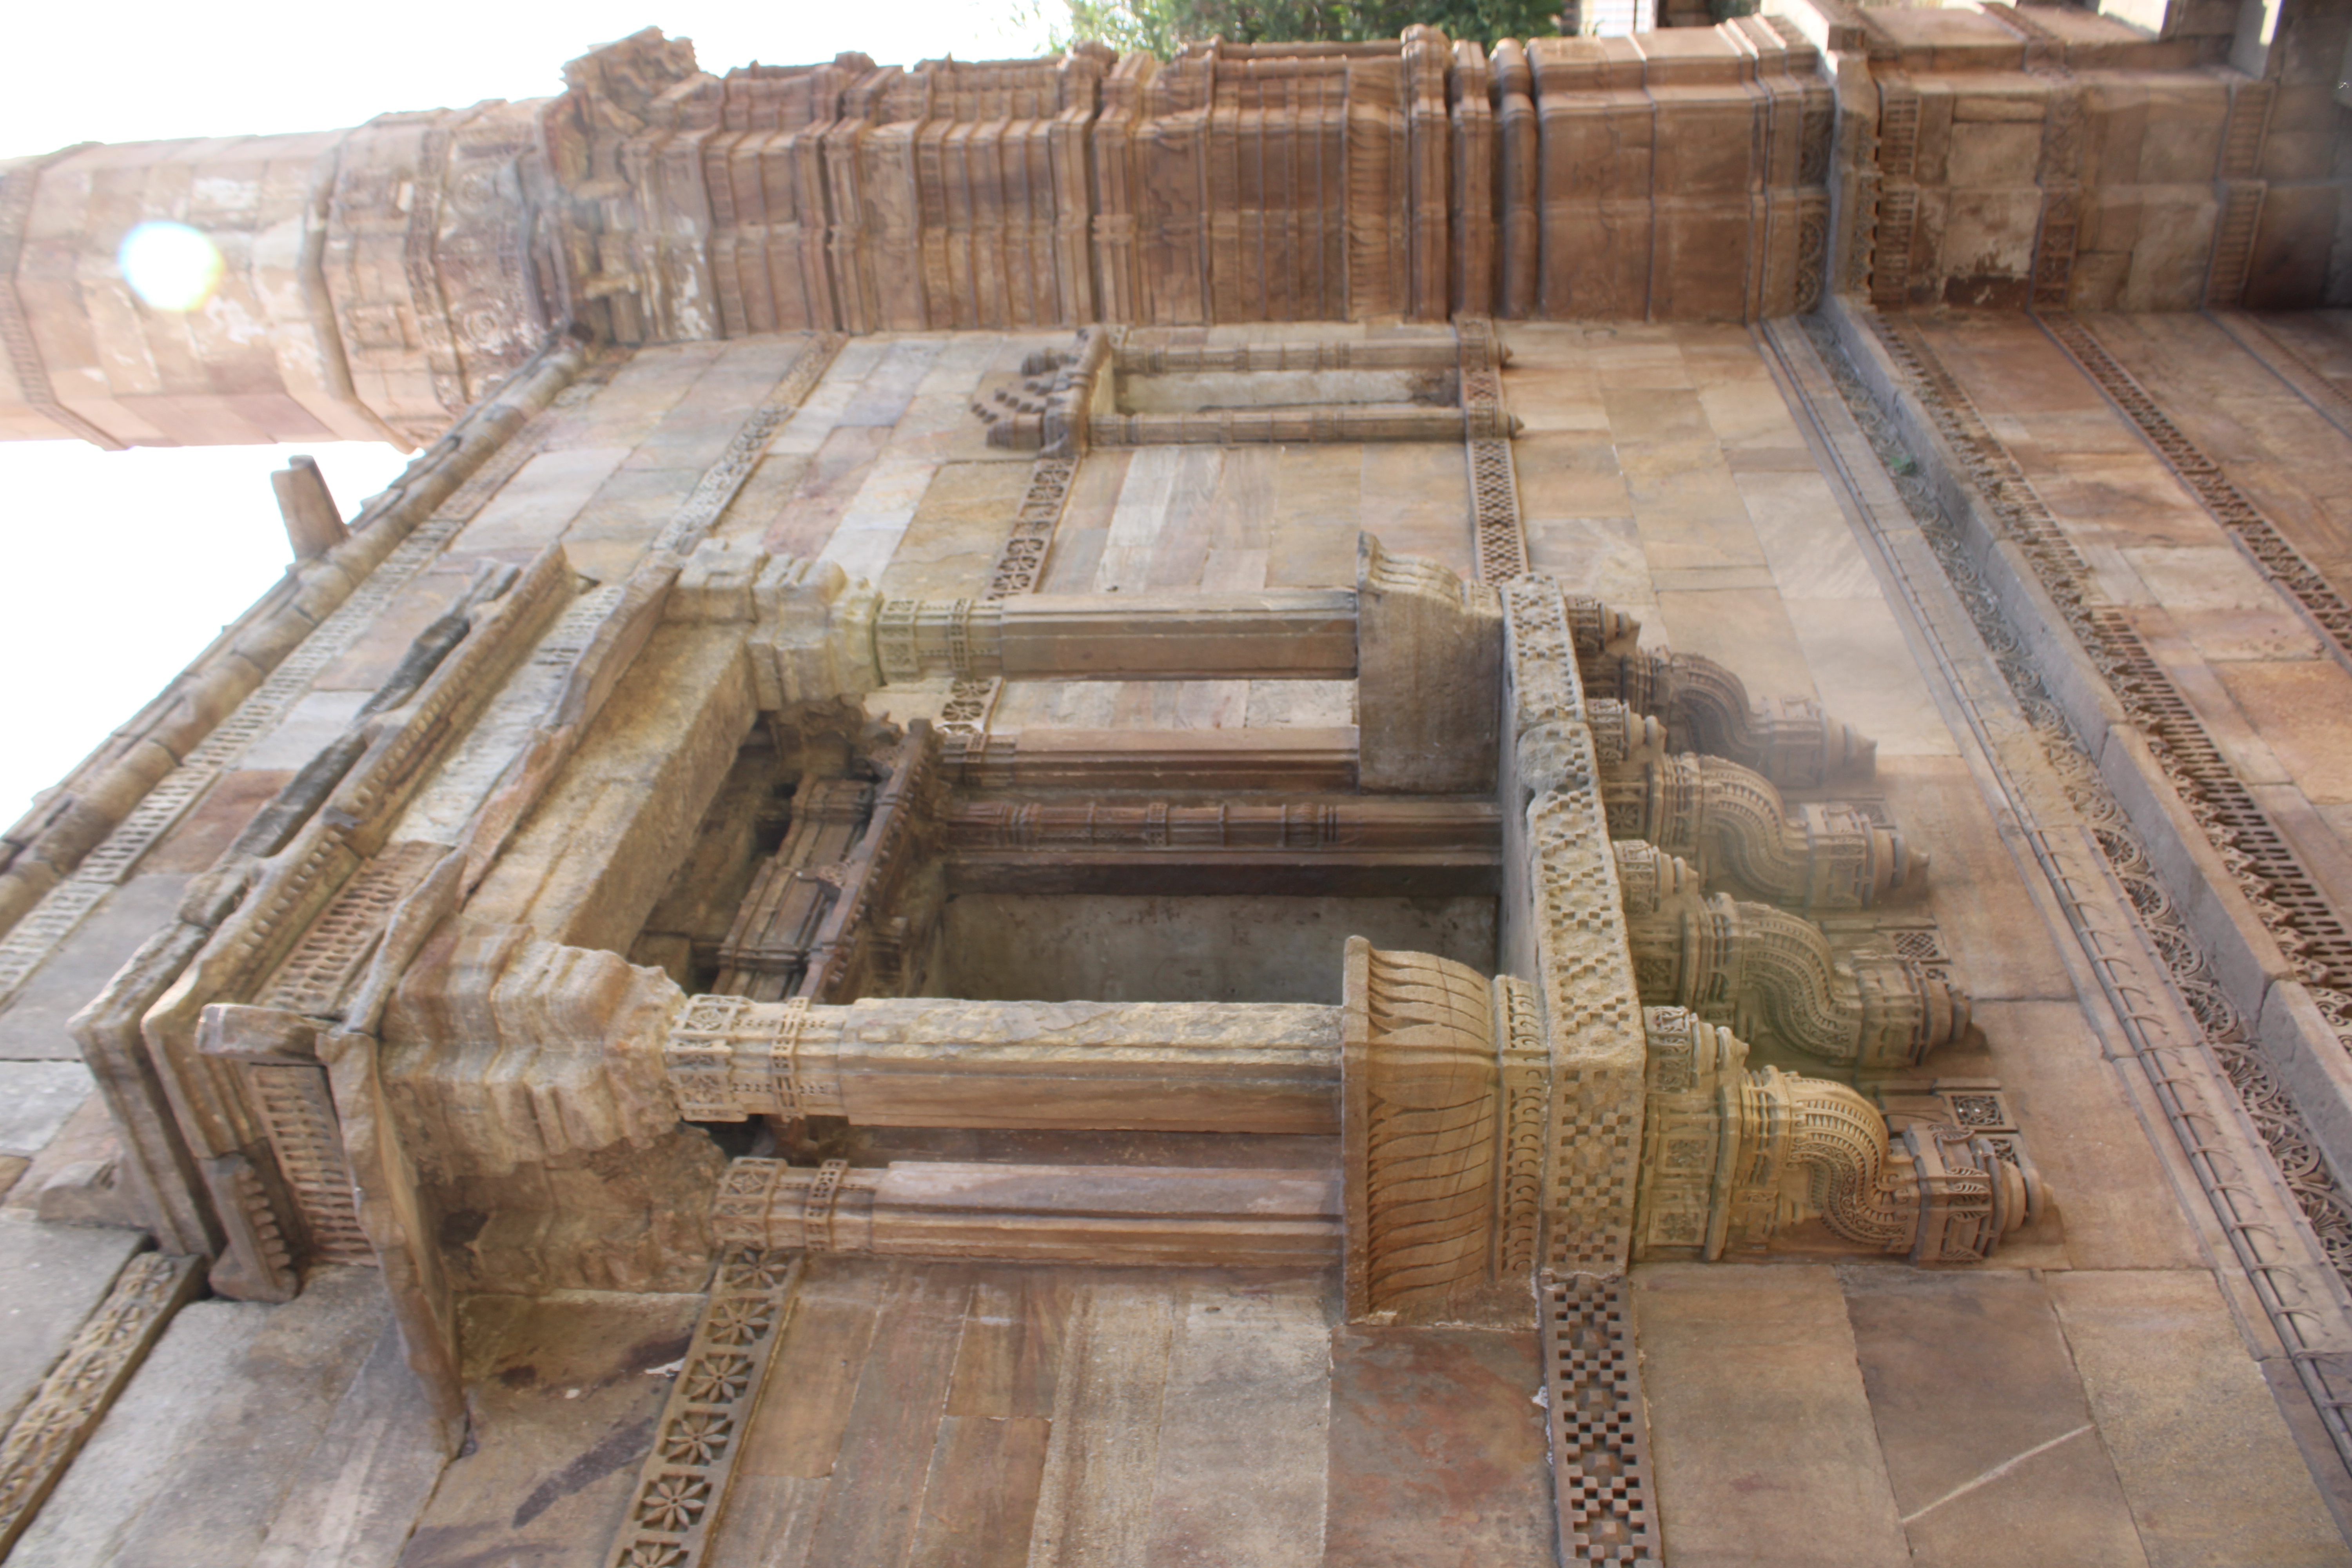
point(2287, 363)
point(718, 486)
point(2283, 894)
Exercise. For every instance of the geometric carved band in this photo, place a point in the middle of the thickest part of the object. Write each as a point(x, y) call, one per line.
point(1600, 1431)
point(730, 1058)
point(1502, 546)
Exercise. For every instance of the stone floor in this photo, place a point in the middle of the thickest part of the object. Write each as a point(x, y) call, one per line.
point(2278, 705)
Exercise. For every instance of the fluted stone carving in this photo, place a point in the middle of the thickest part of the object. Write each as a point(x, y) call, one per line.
point(1728, 821)
point(1702, 952)
point(1730, 1157)
point(1419, 1119)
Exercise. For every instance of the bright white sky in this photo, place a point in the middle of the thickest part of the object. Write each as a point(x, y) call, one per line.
point(116, 568)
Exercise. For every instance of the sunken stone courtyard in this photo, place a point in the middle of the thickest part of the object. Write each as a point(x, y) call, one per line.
point(1383, 805)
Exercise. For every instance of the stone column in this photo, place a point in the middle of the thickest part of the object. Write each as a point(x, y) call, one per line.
point(1284, 634)
point(1036, 1213)
point(1269, 1068)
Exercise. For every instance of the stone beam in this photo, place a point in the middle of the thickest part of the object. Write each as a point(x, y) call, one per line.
point(1298, 758)
point(1092, 1214)
point(1269, 1068)
point(1277, 635)
point(1341, 846)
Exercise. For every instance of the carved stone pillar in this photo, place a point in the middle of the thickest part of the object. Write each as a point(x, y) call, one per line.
point(1278, 634)
point(1036, 1213)
point(1706, 953)
point(1728, 821)
point(1429, 675)
point(1729, 1156)
point(939, 1062)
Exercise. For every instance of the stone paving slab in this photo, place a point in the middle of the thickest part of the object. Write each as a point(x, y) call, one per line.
point(50, 1277)
point(36, 1099)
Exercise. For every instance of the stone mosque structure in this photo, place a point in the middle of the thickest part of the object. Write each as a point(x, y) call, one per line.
point(1361, 805)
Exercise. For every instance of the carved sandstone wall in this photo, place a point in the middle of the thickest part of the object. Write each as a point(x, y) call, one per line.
point(379, 279)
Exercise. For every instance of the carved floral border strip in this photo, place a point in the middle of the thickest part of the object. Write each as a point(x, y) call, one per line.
point(681, 1492)
point(83, 1385)
point(2069, 815)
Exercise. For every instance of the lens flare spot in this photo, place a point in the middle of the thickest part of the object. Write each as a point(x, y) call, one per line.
point(170, 265)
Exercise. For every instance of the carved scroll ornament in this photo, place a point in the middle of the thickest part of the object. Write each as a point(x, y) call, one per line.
point(1704, 707)
point(1730, 1157)
point(1728, 822)
point(1706, 953)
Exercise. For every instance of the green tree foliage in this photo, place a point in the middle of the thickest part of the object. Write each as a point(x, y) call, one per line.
point(1164, 27)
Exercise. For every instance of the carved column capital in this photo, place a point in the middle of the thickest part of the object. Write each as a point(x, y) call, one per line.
point(1419, 1117)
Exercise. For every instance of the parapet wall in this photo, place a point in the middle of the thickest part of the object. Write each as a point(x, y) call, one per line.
point(378, 280)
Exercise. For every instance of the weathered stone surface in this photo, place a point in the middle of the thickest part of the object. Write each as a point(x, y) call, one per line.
point(36, 1099)
point(54, 1276)
point(1777, 1462)
point(568, 1389)
point(33, 1026)
point(2163, 1366)
point(223, 1427)
point(1436, 1448)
